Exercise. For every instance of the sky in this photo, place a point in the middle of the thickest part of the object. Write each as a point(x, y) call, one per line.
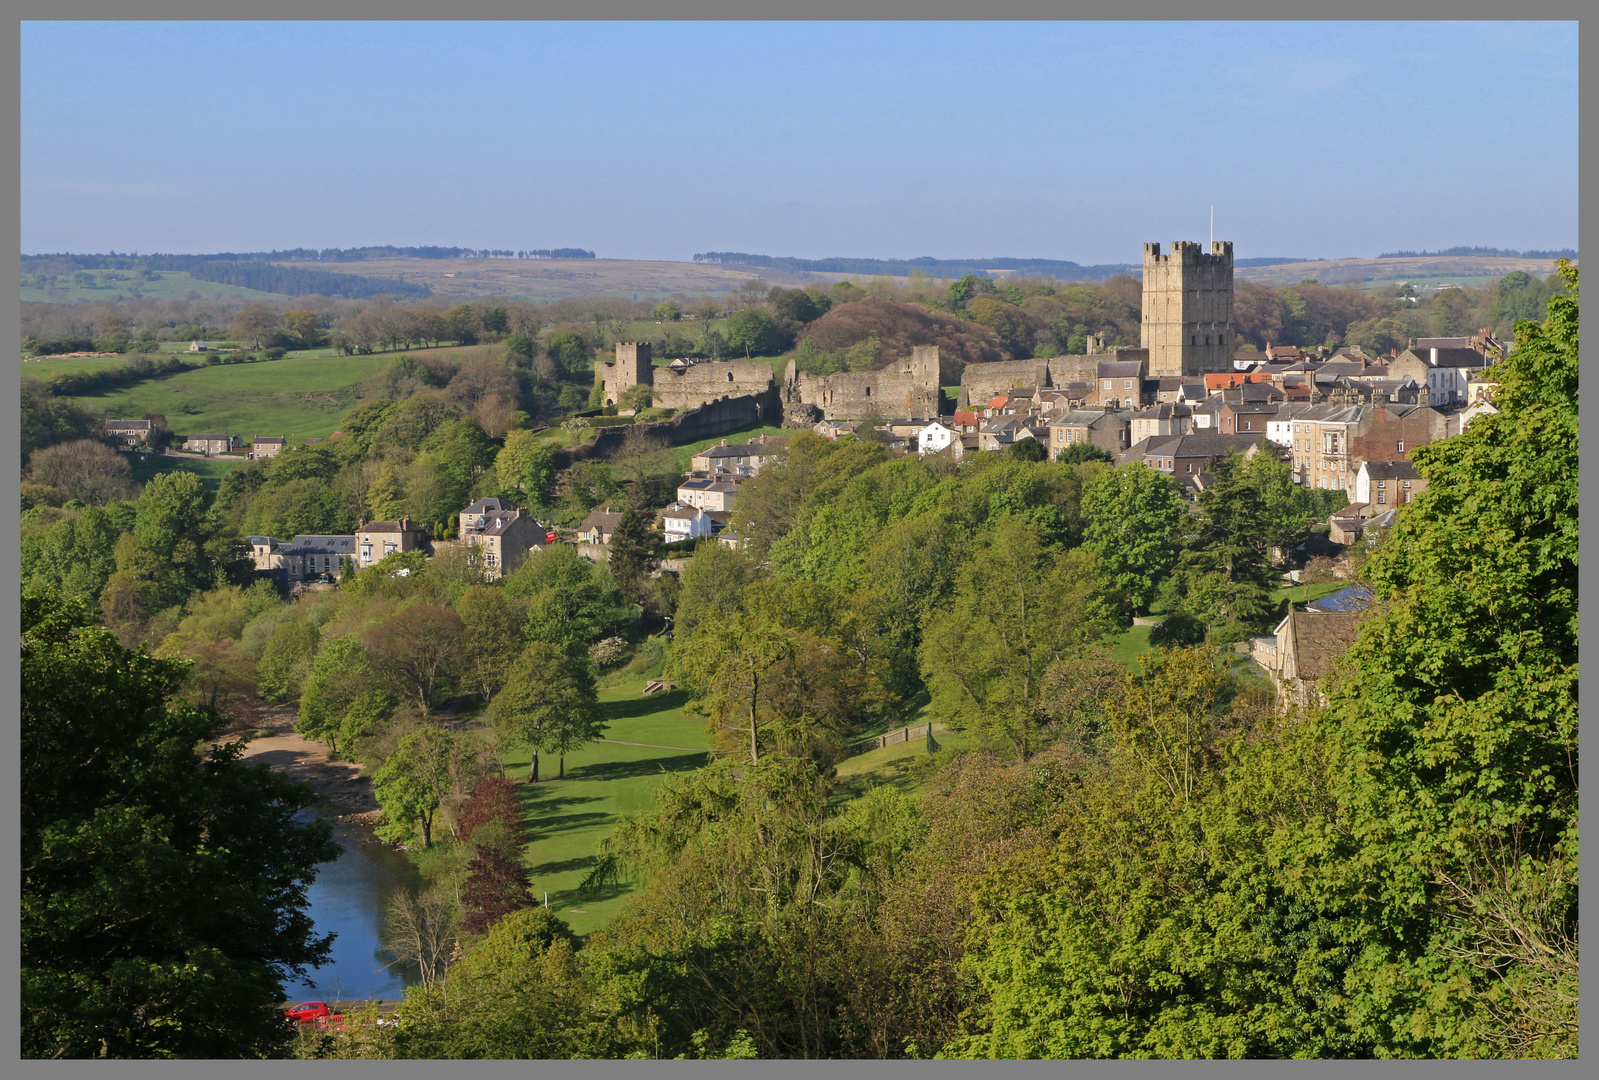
point(1061, 140)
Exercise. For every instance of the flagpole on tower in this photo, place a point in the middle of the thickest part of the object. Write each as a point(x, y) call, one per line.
point(1213, 225)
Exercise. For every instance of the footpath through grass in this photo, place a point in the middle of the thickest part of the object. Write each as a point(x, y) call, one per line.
point(605, 781)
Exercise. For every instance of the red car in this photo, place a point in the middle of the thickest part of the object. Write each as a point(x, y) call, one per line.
point(308, 1012)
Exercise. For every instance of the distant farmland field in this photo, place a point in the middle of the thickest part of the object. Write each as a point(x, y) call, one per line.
point(169, 285)
point(301, 398)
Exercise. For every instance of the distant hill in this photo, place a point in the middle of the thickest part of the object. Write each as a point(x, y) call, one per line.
point(936, 268)
point(1455, 268)
point(228, 268)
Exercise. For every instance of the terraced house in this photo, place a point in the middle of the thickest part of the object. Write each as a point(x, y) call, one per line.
point(380, 539)
point(499, 533)
point(305, 558)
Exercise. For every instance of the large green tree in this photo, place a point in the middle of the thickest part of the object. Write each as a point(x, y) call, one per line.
point(1019, 607)
point(1452, 859)
point(548, 702)
point(163, 901)
point(1134, 516)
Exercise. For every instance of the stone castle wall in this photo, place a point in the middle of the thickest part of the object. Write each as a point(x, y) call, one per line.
point(694, 385)
point(906, 390)
point(701, 383)
point(981, 382)
point(702, 421)
point(1188, 309)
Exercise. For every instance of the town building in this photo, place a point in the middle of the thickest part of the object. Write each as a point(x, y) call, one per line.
point(210, 443)
point(598, 527)
point(936, 436)
point(1191, 455)
point(132, 432)
point(710, 494)
point(1100, 427)
point(744, 459)
point(1160, 420)
point(501, 534)
point(376, 540)
point(304, 558)
point(1381, 485)
point(1301, 653)
point(266, 446)
point(682, 522)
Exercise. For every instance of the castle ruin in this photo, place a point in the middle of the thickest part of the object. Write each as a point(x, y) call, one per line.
point(908, 390)
point(685, 386)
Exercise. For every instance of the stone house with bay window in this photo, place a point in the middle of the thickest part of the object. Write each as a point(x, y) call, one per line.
point(375, 540)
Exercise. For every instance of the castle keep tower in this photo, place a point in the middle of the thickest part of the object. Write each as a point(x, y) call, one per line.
point(1188, 309)
point(632, 366)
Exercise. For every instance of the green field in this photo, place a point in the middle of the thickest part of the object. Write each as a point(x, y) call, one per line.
point(1129, 645)
point(210, 471)
point(895, 766)
point(566, 819)
point(250, 399)
point(43, 369)
point(170, 285)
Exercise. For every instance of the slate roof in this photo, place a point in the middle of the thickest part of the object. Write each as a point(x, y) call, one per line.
point(321, 545)
point(127, 425)
point(1203, 444)
point(1392, 470)
point(605, 521)
point(1120, 369)
point(1354, 598)
point(484, 506)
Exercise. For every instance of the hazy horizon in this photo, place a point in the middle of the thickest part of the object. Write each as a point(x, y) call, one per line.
point(1069, 141)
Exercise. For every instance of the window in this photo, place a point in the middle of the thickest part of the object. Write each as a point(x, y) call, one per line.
point(1107, 384)
point(1382, 497)
point(1249, 425)
point(1401, 446)
point(1221, 339)
point(730, 379)
point(1194, 340)
point(1382, 483)
point(1409, 495)
point(1127, 384)
point(1407, 483)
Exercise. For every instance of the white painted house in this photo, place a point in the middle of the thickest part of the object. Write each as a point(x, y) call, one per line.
point(683, 522)
point(935, 437)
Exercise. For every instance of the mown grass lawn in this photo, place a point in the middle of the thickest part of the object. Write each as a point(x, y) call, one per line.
point(1129, 645)
point(605, 781)
point(210, 471)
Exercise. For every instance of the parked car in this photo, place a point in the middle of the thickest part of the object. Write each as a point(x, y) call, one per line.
point(308, 1012)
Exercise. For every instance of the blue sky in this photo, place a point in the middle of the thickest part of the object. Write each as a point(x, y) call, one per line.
point(658, 140)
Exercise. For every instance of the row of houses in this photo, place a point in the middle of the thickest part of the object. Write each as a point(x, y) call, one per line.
point(498, 537)
point(138, 433)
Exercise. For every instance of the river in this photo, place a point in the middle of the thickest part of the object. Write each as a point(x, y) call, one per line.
point(347, 898)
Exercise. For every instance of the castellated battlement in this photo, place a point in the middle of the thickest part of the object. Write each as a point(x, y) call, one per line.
point(1189, 252)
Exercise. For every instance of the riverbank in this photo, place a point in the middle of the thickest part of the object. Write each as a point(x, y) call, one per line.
point(339, 785)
